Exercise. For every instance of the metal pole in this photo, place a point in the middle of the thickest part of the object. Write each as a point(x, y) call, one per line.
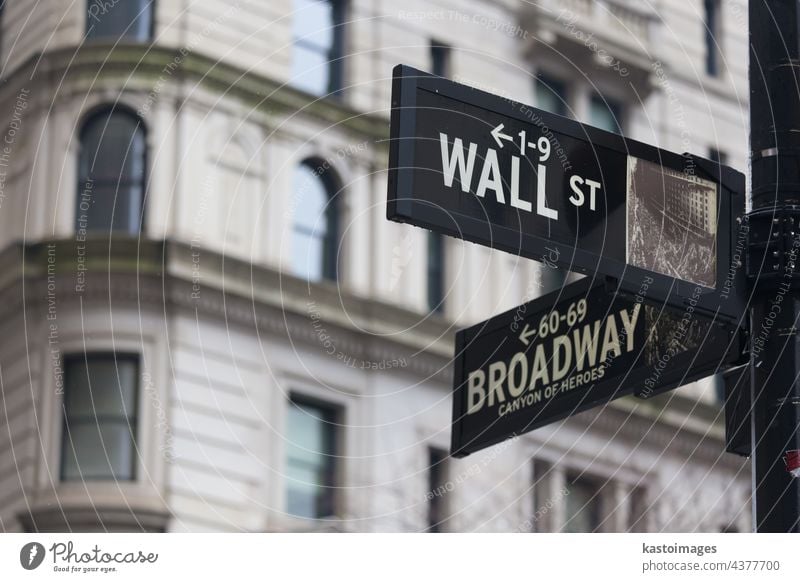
point(774, 247)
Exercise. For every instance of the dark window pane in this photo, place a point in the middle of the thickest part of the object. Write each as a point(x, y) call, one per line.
point(551, 95)
point(582, 506)
point(542, 499)
point(100, 386)
point(637, 521)
point(100, 403)
point(97, 451)
point(112, 173)
point(440, 59)
point(718, 156)
point(126, 19)
point(605, 114)
point(437, 490)
point(711, 34)
point(435, 272)
point(310, 450)
point(718, 383)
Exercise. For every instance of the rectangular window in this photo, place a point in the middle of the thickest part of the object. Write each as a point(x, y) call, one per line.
point(605, 114)
point(543, 501)
point(318, 46)
point(551, 95)
point(712, 30)
point(310, 459)
point(100, 410)
point(639, 507)
point(437, 489)
point(435, 272)
point(131, 20)
point(440, 59)
point(582, 513)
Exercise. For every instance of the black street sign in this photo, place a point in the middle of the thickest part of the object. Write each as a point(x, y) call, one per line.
point(582, 346)
point(495, 172)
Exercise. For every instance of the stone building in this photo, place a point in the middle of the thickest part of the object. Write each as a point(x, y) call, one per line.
point(208, 322)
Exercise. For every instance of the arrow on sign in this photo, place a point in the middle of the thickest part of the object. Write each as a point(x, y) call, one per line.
point(526, 333)
point(497, 135)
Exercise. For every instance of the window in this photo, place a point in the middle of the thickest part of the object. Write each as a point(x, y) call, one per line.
point(310, 460)
point(100, 407)
point(605, 114)
point(551, 95)
point(440, 59)
point(318, 45)
point(543, 500)
point(718, 385)
point(316, 223)
point(712, 33)
point(435, 272)
point(111, 173)
point(437, 490)
point(717, 156)
point(582, 506)
point(130, 20)
point(637, 520)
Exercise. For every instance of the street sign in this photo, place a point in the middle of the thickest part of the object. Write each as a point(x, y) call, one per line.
point(582, 346)
point(498, 173)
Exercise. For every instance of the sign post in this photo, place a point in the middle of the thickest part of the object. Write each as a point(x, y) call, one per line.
point(774, 227)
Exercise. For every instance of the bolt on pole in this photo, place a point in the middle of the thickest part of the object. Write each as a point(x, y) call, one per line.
point(774, 249)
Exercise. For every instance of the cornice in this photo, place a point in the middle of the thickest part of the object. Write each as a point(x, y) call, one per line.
point(158, 274)
point(140, 66)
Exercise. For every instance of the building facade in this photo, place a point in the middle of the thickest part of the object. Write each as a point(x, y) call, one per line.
point(208, 322)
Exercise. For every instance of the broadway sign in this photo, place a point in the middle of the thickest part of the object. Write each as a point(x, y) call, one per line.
point(495, 172)
point(574, 349)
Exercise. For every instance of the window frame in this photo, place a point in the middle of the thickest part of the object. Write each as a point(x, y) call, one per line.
point(335, 55)
point(441, 58)
point(122, 38)
point(595, 503)
point(332, 216)
point(550, 82)
point(438, 475)
point(712, 32)
point(435, 272)
point(131, 421)
point(98, 113)
point(334, 426)
point(614, 106)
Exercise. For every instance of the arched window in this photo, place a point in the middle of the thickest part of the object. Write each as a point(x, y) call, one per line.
point(130, 20)
point(315, 233)
point(111, 173)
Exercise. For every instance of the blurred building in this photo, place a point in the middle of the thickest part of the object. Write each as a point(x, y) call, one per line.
point(208, 323)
